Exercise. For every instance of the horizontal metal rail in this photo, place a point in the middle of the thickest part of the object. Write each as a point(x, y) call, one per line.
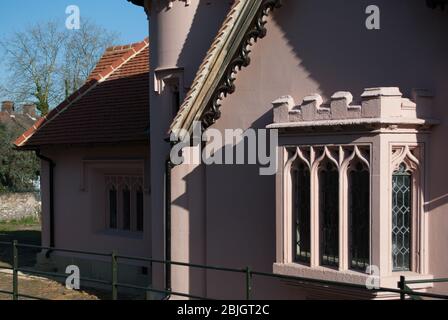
point(349, 285)
point(60, 275)
point(182, 264)
point(6, 268)
point(31, 246)
point(441, 280)
point(6, 292)
point(403, 288)
point(413, 296)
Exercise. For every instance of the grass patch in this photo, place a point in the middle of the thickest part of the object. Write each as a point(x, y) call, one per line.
point(19, 223)
point(26, 231)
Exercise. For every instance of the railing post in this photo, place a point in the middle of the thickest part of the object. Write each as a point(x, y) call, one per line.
point(15, 272)
point(114, 276)
point(402, 287)
point(248, 283)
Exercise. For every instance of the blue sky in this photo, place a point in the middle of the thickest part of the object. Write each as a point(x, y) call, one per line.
point(127, 20)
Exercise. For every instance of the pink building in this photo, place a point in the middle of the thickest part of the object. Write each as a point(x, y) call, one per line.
point(361, 119)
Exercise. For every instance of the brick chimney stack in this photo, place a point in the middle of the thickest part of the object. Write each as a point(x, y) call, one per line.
point(8, 106)
point(30, 110)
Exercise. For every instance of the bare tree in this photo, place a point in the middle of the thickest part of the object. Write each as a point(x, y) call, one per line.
point(47, 62)
point(83, 50)
point(32, 58)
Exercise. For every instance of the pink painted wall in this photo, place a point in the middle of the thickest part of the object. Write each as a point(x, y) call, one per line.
point(80, 213)
point(317, 46)
point(180, 38)
point(225, 215)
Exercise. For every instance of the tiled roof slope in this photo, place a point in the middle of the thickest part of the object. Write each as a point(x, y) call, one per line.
point(112, 107)
point(16, 120)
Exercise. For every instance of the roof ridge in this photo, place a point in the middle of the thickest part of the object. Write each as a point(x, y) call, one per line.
point(102, 76)
point(125, 46)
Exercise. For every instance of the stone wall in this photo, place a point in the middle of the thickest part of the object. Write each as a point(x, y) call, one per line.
point(19, 205)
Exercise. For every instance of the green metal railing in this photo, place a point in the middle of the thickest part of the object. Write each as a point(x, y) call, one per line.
point(415, 295)
point(403, 289)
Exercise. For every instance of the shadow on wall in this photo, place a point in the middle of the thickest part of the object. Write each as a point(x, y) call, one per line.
point(201, 35)
point(340, 53)
point(27, 256)
point(236, 214)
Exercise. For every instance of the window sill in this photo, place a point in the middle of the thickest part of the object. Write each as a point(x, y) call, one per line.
point(320, 273)
point(349, 276)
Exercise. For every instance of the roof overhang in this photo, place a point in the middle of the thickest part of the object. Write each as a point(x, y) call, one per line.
point(140, 3)
point(229, 53)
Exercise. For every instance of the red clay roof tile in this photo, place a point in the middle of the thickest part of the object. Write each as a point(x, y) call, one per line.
point(112, 107)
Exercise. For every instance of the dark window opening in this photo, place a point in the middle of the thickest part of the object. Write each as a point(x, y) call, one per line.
point(301, 205)
point(113, 208)
point(329, 215)
point(175, 99)
point(126, 209)
point(359, 193)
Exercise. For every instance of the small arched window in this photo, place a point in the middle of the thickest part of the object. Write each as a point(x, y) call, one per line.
point(124, 202)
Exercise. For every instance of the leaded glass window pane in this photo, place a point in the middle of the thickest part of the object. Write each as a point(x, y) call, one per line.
point(359, 189)
point(329, 215)
point(401, 219)
point(301, 205)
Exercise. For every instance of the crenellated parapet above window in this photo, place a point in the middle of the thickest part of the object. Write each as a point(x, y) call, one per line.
point(379, 108)
point(351, 186)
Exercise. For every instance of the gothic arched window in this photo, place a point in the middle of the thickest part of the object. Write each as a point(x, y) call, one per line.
point(329, 214)
point(359, 215)
point(401, 219)
point(125, 202)
point(301, 205)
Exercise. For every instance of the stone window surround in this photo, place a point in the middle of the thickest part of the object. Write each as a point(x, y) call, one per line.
point(404, 154)
point(120, 182)
point(393, 135)
point(399, 153)
point(94, 169)
point(347, 154)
